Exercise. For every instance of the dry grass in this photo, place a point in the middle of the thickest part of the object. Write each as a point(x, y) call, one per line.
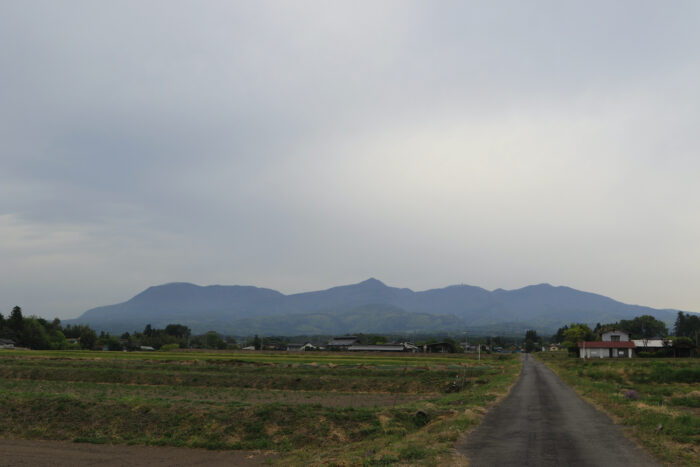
point(663, 417)
point(325, 410)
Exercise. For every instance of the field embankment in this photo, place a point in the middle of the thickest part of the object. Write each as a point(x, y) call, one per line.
point(311, 408)
point(657, 401)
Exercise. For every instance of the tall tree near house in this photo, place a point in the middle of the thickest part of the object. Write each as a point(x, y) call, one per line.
point(559, 336)
point(644, 327)
point(687, 325)
point(575, 334)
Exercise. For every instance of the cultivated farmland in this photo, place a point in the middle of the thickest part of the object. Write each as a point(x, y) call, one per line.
point(657, 401)
point(310, 408)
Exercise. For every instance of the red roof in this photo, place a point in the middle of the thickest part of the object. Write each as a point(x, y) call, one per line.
point(607, 345)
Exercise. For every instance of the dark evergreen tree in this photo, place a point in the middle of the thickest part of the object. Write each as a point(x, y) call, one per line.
point(16, 320)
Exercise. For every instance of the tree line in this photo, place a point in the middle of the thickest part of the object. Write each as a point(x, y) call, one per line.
point(39, 334)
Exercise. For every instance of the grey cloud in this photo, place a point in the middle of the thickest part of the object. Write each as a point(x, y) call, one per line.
point(301, 145)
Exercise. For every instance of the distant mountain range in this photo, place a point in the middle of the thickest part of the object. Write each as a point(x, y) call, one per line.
point(370, 306)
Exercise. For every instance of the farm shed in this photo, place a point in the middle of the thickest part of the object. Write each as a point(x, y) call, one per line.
point(438, 347)
point(301, 347)
point(652, 344)
point(342, 343)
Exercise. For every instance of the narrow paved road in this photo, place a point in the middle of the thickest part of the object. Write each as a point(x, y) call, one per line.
point(543, 423)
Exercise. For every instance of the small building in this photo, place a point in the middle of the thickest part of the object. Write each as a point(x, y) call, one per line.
point(301, 347)
point(342, 343)
point(438, 347)
point(606, 349)
point(7, 344)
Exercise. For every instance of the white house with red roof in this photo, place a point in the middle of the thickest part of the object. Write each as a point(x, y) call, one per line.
point(614, 344)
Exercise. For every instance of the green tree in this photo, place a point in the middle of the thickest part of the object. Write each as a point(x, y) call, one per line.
point(687, 325)
point(533, 342)
point(559, 336)
point(16, 320)
point(111, 342)
point(682, 344)
point(34, 335)
point(575, 334)
point(644, 327)
point(212, 340)
point(88, 338)
point(57, 340)
point(178, 330)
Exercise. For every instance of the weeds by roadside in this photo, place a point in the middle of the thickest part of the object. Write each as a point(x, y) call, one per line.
point(657, 401)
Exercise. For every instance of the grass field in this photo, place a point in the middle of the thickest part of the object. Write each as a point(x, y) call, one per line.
point(656, 400)
point(311, 408)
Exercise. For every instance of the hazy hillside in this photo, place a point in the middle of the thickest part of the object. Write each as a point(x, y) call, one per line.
point(369, 306)
point(363, 319)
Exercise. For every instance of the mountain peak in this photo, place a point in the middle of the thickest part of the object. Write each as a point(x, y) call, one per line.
point(543, 307)
point(373, 282)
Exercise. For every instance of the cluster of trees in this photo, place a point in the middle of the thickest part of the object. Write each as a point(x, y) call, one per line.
point(38, 333)
point(687, 325)
point(175, 336)
point(533, 342)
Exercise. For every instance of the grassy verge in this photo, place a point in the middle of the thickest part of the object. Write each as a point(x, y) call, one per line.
point(657, 401)
point(315, 409)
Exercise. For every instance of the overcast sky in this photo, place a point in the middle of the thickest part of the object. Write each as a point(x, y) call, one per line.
point(301, 145)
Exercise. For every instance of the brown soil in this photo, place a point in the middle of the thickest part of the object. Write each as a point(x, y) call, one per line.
point(64, 454)
point(333, 400)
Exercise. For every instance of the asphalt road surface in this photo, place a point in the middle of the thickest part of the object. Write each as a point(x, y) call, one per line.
point(543, 423)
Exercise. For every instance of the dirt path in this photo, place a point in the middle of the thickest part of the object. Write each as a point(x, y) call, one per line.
point(543, 423)
point(64, 454)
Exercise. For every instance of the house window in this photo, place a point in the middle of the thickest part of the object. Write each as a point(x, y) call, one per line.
point(614, 338)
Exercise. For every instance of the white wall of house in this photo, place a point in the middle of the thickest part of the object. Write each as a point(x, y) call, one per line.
point(615, 335)
point(593, 353)
point(604, 353)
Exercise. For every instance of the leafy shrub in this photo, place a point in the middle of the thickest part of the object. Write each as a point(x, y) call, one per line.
point(686, 401)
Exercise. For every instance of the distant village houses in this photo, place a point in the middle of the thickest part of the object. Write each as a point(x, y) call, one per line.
point(352, 344)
